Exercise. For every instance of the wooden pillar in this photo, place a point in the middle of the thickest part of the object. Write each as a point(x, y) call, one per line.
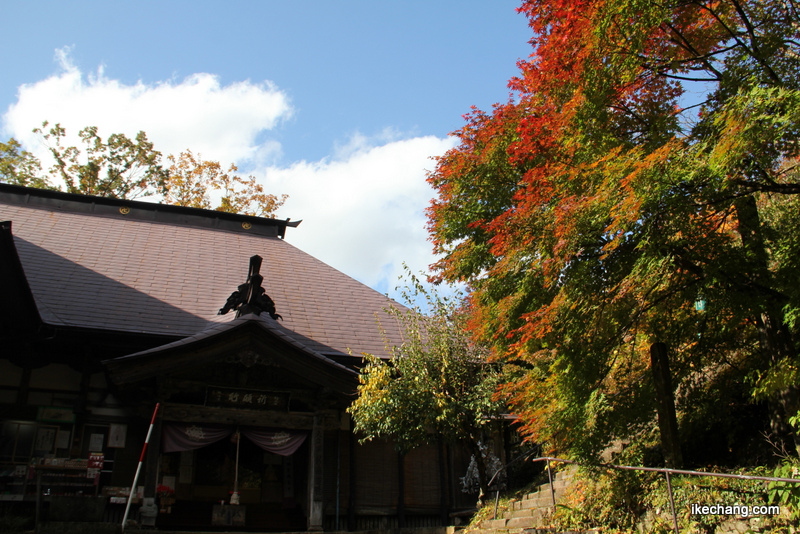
point(444, 493)
point(352, 495)
point(316, 509)
point(81, 406)
point(665, 401)
point(24, 387)
point(401, 490)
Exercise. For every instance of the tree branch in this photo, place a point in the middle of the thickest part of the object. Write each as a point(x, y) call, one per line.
point(684, 43)
point(756, 53)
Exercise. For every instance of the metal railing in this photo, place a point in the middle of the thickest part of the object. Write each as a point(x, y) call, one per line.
point(501, 470)
point(667, 473)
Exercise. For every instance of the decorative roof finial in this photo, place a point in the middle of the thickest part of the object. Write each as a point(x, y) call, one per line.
point(250, 297)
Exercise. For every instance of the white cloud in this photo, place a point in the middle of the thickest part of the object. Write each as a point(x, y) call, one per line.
point(363, 213)
point(363, 208)
point(219, 122)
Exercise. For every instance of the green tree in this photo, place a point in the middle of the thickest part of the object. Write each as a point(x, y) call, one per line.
point(590, 212)
point(117, 167)
point(121, 167)
point(437, 385)
point(20, 167)
point(192, 180)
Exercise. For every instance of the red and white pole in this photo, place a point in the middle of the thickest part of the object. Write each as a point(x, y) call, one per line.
point(139, 467)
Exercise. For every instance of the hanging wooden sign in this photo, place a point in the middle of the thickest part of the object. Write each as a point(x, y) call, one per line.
point(245, 398)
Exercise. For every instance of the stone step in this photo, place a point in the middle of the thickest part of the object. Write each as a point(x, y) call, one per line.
point(524, 519)
point(522, 522)
point(528, 512)
point(494, 524)
point(545, 490)
point(511, 514)
point(532, 521)
point(539, 500)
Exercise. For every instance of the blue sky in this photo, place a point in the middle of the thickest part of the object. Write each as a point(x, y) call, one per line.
point(339, 104)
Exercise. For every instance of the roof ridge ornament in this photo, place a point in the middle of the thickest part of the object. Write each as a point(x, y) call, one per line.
point(250, 297)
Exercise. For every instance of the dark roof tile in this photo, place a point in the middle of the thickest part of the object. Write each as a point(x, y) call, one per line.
point(133, 275)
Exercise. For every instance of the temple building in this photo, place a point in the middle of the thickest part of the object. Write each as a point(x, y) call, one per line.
point(249, 347)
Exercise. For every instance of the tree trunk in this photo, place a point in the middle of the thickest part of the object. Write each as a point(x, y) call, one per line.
point(665, 399)
point(480, 464)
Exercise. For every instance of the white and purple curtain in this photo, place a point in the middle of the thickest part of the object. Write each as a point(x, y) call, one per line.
point(177, 437)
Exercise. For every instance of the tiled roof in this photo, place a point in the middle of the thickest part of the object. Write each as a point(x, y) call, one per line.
point(135, 367)
point(115, 272)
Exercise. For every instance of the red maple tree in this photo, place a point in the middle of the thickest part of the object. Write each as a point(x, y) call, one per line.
point(643, 163)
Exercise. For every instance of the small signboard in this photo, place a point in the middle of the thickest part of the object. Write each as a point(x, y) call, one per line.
point(96, 442)
point(116, 436)
point(95, 465)
point(54, 414)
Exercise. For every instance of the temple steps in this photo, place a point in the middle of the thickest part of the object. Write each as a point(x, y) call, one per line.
point(529, 513)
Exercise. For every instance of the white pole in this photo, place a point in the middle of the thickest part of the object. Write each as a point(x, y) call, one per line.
point(139, 467)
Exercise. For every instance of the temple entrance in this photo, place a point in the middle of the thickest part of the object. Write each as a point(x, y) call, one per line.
point(198, 484)
point(250, 376)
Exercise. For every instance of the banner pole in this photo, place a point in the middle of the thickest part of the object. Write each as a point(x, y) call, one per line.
point(235, 495)
point(139, 467)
